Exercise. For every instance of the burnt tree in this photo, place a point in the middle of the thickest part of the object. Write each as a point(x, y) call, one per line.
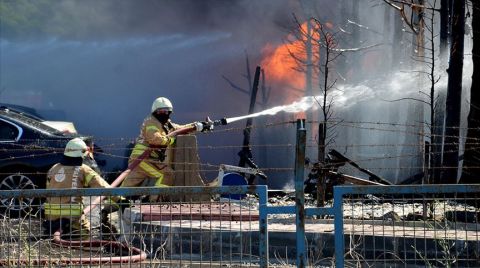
point(444, 23)
point(422, 24)
point(433, 147)
point(454, 94)
point(471, 160)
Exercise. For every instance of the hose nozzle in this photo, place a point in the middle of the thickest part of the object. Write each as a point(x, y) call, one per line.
point(208, 124)
point(220, 122)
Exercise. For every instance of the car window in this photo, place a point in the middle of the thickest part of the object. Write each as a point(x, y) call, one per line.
point(31, 122)
point(25, 111)
point(8, 132)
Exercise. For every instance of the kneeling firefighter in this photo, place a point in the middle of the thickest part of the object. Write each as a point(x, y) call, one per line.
point(156, 136)
point(66, 213)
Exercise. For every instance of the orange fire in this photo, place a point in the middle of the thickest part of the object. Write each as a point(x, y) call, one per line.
point(285, 65)
point(280, 67)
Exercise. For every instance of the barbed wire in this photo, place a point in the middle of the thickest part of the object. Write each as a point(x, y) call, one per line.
point(267, 170)
point(39, 146)
point(170, 171)
point(53, 150)
point(352, 124)
point(281, 146)
point(364, 160)
point(154, 161)
point(113, 147)
point(419, 125)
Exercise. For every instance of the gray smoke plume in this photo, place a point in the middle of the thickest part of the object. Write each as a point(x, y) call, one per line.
point(101, 64)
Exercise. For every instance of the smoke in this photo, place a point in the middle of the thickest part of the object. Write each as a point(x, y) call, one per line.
point(101, 64)
point(103, 20)
point(344, 96)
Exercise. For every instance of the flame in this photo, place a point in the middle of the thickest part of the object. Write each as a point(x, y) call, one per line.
point(285, 72)
point(280, 70)
point(280, 67)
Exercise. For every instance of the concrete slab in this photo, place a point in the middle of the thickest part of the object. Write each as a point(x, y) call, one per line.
point(208, 231)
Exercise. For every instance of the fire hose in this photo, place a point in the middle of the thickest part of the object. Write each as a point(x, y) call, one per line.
point(119, 179)
point(140, 255)
point(181, 131)
point(134, 164)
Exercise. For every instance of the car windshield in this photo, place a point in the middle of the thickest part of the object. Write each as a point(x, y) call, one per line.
point(31, 121)
point(25, 111)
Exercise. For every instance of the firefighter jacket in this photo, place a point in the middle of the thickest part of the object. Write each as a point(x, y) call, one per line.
point(70, 177)
point(153, 135)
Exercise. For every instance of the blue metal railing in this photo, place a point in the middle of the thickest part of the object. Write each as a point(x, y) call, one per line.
point(337, 210)
point(340, 191)
point(260, 190)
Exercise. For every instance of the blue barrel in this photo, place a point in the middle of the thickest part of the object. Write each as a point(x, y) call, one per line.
point(234, 179)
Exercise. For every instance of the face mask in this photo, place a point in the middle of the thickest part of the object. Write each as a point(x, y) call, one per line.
point(163, 118)
point(71, 161)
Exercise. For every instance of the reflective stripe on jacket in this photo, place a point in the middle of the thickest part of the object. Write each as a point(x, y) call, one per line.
point(70, 177)
point(72, 210)
point(153, 134)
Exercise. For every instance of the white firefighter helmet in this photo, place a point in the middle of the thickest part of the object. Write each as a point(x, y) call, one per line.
point(162, 103)
point(76, 148)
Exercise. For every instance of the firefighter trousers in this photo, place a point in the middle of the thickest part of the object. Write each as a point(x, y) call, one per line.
point(149, 172)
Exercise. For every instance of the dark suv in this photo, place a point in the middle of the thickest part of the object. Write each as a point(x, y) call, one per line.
point(28, 148)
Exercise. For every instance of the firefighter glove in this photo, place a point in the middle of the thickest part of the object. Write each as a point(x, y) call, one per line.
point(207, 126)
point(198, 126)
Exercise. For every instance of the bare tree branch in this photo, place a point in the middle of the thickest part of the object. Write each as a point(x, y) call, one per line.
point(363, 27)
point(414, 99)
point(235, 86)
point(356, 49)
point(411, 4)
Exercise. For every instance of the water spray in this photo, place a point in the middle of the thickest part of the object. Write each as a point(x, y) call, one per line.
point(304, 104)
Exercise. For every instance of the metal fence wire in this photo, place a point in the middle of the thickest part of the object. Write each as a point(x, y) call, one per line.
point(235, 226)
point(408, 226)
point(186, 227)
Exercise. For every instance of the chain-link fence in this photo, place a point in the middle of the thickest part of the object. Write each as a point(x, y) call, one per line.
point(408, 226)
point(210, 227)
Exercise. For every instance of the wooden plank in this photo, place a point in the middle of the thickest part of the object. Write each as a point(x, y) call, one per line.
point(213, 212)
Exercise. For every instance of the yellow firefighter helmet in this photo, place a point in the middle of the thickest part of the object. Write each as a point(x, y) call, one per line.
point(76, 148)
point(162, 103)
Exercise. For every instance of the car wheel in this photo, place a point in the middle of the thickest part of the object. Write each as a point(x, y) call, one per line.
point(17, 206)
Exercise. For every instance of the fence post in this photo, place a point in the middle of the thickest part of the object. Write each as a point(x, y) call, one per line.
point(338, 226)
point(299, 194)
point(322, 178)
point(263, 224)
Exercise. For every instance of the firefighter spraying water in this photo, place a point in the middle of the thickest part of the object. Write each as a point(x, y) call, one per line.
point(163, 135)
point(156, 135)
